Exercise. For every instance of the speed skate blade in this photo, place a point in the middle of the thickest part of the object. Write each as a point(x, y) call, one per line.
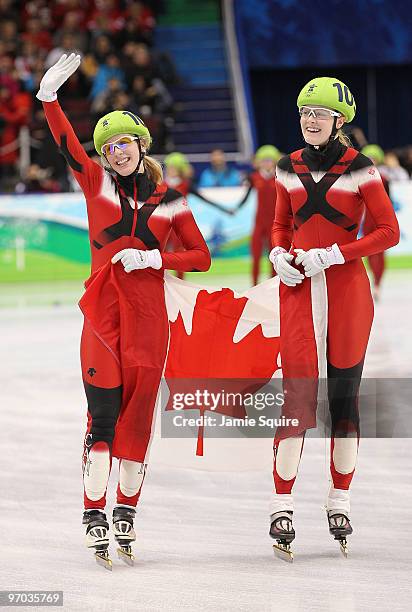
point(126, 555)
point(104, 561)
point(283, 552)
point(344, 548)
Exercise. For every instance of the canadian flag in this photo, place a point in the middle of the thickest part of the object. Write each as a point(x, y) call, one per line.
point(218, 334)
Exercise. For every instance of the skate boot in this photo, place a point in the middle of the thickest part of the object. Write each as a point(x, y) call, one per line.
point(281, 530)
point(124, 533)
point(97, 536)
point(340, 527)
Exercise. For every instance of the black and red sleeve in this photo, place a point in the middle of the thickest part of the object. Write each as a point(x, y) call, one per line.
point(88, 173)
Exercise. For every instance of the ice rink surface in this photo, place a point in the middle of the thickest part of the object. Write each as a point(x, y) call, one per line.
point(202, 534)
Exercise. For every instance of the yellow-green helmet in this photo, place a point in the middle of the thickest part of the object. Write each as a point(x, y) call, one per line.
point(176, 160)
point(118, 122)
point(268, 152)
point(375, 152)
point(330, 93)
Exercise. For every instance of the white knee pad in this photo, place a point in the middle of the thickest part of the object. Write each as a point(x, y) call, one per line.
point(345, 452)
point(288, 457)
point(131, 476)
point(96, 473)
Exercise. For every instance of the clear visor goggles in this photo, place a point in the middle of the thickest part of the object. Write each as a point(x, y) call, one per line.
point(121, 143)
point(317, 113)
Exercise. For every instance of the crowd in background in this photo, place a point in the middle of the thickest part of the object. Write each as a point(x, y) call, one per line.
point(121, 68)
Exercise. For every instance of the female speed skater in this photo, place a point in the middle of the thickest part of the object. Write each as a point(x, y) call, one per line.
point(179, 176)
point(131, 212)
point(376, 262)
point(263, 181)
point(322, 192)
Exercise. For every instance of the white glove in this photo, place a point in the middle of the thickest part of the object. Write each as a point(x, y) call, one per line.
point(134, 259)
point(56, 76)
point(281, 259)
point(316, 260)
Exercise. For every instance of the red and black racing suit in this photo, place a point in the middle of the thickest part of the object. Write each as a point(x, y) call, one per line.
point(125, 334)
point(321, 199)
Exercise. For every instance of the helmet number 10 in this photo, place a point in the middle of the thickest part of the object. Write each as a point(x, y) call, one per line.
point(344, 91)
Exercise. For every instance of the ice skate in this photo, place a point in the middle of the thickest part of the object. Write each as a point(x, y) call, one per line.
point(339, 527)
point(281, 530)
point(124, 532)
point(97, 536)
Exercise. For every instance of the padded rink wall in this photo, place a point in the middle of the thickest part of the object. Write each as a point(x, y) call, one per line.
point(44, 237)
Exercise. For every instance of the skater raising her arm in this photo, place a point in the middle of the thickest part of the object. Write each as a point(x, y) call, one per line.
point(131, 213)
point(322, 192)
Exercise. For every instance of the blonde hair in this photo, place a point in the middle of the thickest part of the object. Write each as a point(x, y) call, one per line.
point(343, 138)
point(153, 168)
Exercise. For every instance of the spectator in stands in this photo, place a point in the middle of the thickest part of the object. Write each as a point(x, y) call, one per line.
point(98, 53)
point(8, 76)
point(122, 99)
point(9, 36)
point(14, 113)
point(219, 174)
point(27, 61)
point(42, 152)
point(142, 64)
point(61, 8)
point(72, 26)
point(101, 48)
point(109, 70)
point(67, 42)
point(38, 180)
point(151, 96)
point(37, 35)
point(8, 11)
point(103, 102)
point(393, 168)
point(105, 18)
point(406, 159)
point(356, 136)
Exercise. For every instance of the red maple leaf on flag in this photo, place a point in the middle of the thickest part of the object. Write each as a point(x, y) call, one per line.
point(220, 342)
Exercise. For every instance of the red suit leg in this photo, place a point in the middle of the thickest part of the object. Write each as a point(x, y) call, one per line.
point(350, 317)
point(102, 383)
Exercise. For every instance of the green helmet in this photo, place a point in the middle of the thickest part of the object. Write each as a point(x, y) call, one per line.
point(375, 152)
point(176, 160)
point(268, 152)
point(328, 92)
point(118, 122)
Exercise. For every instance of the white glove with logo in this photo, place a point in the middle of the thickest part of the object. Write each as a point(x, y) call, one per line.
point(56, 76)
point(134, 259)
point(316, 260)
point(281, 260)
